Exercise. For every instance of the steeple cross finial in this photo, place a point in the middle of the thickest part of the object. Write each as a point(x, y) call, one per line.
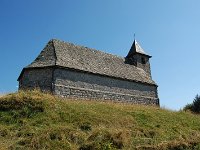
point(134, 36)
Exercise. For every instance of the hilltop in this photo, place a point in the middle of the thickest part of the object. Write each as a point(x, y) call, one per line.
point(34, 120)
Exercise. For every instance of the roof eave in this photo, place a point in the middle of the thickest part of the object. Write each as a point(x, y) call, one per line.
point(143, 54)
point(62, 67)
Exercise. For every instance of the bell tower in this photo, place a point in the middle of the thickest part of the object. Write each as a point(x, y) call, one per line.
point(138, 58)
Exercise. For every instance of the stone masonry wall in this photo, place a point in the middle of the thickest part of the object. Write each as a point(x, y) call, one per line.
point(75, 84)
point(146, 66)
point(33, 78)
point(81, 93)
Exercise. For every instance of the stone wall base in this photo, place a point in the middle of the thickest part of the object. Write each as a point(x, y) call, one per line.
point(82, 93)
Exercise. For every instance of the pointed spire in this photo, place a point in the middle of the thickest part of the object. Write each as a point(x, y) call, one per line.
point(136, 48)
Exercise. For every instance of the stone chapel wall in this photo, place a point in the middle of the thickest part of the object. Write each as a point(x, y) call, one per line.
point(36, 78)
point(70, 83)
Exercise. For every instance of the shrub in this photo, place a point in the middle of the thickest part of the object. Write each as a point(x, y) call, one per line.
point(188, 107)
point(195, 106)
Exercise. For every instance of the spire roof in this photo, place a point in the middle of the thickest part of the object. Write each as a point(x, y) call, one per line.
point(136, 48)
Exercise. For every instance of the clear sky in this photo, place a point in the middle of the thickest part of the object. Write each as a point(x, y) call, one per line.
point(169, 30)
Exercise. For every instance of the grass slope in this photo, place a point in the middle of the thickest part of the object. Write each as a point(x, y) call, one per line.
point(32, 120)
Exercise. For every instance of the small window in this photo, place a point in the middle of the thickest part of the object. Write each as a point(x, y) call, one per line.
point(143, 60)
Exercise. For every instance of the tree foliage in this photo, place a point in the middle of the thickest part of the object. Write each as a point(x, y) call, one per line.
point(194, 106)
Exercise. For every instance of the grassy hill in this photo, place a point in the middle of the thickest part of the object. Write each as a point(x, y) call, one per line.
point(32, 120)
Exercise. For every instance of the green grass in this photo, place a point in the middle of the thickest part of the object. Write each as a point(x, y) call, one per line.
point(33, 120)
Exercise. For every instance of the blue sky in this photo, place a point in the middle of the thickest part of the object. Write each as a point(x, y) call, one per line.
point(169, 30)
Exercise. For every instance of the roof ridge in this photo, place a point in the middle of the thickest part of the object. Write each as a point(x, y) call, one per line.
point(54, 51)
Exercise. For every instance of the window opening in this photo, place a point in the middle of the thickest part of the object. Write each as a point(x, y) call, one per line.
point(143, 60)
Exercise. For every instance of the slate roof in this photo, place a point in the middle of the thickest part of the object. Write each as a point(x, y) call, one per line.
point(136, 48)
point(68, 55)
